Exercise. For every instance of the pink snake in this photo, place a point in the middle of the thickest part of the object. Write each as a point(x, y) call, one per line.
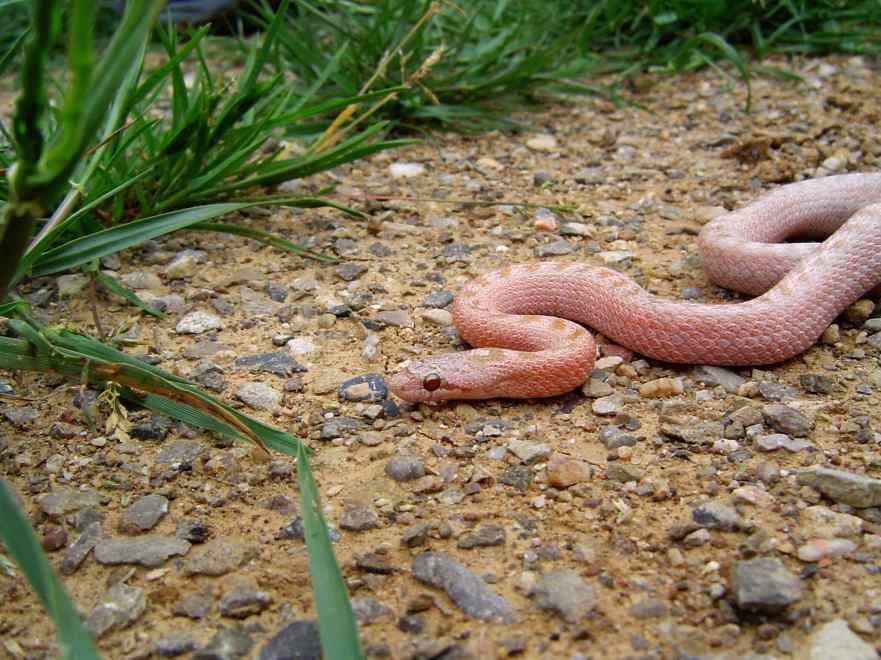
point(516, 316)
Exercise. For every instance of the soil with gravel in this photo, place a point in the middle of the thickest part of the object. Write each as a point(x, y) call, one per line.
point(658, 512)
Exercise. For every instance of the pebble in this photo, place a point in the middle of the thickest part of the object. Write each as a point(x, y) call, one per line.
point(836, 641)
point(556, 248)
point(228, 643)
point(860, 311)
point(764, 585)
point(141, 280)
point(179, 452)
point(608, 405)
point(195, 606)
point(846, 487)
point(402, 170)
point(259, 396)
point(660, 388)
point(119, 607)
point(483, 536)
point(155, 427)
point(194, 531)
point(143, 514)
point(398, 318)
point(820, 522)
point(359, 518)
point(71, 285)
point(21, 417)
point(149, 551)
point(438, 299)
point(219, 556)
point(577, 229)
point(349, 271)
point(529, 452)
point(564, 471)
point(542, 142)
point(338, 427)
point(786, 420)
point(817, 549)
point(174, 645)
point(816, 383)
point(244, 600)
point(565, 593)
point(368, 610)
point(76, 553)
point(182, 267)
point(197, 322)
point(439, 317)
point(64, 500)
point(718, 515)
point(468, 591)
point(278, 363)
point(368, 388)
point(774, 441)
point(405, 467)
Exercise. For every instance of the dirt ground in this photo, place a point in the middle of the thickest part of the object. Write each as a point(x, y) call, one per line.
point(609, 523)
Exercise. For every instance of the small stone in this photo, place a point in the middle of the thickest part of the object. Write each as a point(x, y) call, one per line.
point(198, 322)
point(529, 452)
point(174, 645)
point(259, 396)
point(718, 515)
point(338, 427)
point(820, 522)
point(661, 388)
point(565, 593)
point(470, 593)
point(542, 142)
point(182, 267)
point(143, 514)
point(438, 299)
point(278, 363)
point(565, 471)
point(81, 547)
point(149, 551)
point(846, 487)
point(439, 317)
point(155, 427)
point(816, 383)
point(71, 285)
point(296, 641)
point(405, 467)
point(608, 405)
point(118, 608)
point(623, 472)
point(776, 441)
point(20, 416)
point(483, 536)
point(219, 557)
point(557, 248)
point(195, 606)
point(53, 538)
point(859, 312)
point(369, 388)
point(358, 518)
point(179, 452)
point(244, 600)
point(64, 500)
point(141, 280)
point(349, 272)
point(787, 420)
point(817, 549)
point(397, 318)
point(836, 641)
point(228, 643)
point(596, 389)
point(406, 170)
point(764, 585)
point(831, 335)
point(194, 531)
point(369, 610)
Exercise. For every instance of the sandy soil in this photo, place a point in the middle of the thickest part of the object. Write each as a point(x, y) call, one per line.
point(648, 581)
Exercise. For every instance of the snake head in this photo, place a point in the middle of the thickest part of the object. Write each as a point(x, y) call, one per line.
point(436, 379)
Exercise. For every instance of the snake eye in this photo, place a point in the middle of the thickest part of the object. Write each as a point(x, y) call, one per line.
point(431, 382)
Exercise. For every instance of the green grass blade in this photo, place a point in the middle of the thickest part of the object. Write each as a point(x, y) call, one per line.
point(24, 547)
point(112, 285)
point(264, 237)
point(336, 621)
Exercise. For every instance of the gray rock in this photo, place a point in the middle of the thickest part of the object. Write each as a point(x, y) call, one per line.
point(195, 606)
point(470, 593)
point(774, 441)
point(358, 518)
point(518, 476)
point(349, 272)
point(118, 608)
point(279, 363)
point(718, 515)
point(296, 641)
point(143, 514)
point(21, 417)
point(816, 383)
point(565, 593)
point(174, 645)
point(63, 500)
point(227, 644)
point(181, 451)
point(456, 253)
point(405, 467)
point(155, 427)
point(764, 585)
point(219, 557)
point(771, 391)
point(147, 551)
point(718, 376)
point(194, 531)
point(259, 396)
point(483, 536)
point(398, 318)
point(71, 285)
point(195, 323)
point(80, 549)
point(836, 641)
point(141, 280)
point(608, 405)
point(437, 300)
point(369, 610)
point(244, 600)
point(338, 427)
point(846, 487)
point(787, 420)
point(555, 248)
point(529, 452)
point(369, 388)
point(210, 375)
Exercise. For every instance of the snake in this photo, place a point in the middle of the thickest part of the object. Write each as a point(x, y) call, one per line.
point(527, 322)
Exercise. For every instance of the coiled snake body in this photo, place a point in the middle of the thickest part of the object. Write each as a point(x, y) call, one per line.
point(524, 320)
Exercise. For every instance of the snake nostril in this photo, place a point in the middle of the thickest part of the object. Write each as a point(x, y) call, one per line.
point(431, 382)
